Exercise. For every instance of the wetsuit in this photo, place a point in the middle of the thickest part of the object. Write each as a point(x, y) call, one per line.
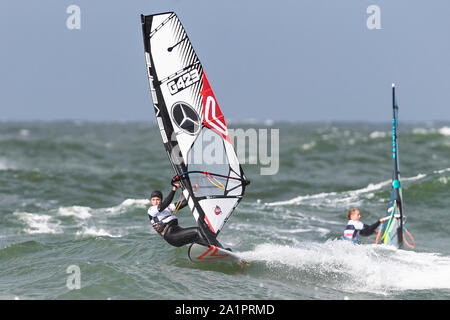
point(356, 228)
point(166, 223)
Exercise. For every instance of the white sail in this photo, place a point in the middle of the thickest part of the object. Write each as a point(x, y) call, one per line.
point(189, 118)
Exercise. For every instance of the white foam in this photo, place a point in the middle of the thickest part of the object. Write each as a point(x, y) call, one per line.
point(332, 198)
point(443, 180)
point(76, 211)
point(371, 187)
point(428, 271)
point(444, 131)
point(441, 171)
point(91, 221)
point(128, 203)
point(38, 223)
point(377, 134)
point(419, 131)
point(135, 203)
point(341, 198)
point(300, 199)
point(96, 232)
point(418, 177)
point(308, 146)
point(363, 268)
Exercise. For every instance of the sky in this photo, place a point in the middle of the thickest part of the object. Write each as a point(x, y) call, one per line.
point(289, 60)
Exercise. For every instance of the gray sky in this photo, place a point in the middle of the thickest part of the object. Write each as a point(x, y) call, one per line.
point(305, 60)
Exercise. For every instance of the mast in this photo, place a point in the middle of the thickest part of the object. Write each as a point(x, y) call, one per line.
point(396, 174)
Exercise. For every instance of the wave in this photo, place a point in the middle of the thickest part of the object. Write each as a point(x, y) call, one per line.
point(96, 232)
point(85, 221)
point(6, 165)
point(445, 131)
point(441, 171)
point(308, 145)
point(354, 268)
point(39, 223)
point(87, 212)
point(128, 204)
point(76, 211)
point(343, 197)
point(378, 134)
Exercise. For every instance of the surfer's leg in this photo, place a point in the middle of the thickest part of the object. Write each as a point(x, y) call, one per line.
point(177, 236)
point(213, 241)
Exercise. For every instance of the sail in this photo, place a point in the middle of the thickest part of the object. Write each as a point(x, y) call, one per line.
point(192, 126)
point(392, 230)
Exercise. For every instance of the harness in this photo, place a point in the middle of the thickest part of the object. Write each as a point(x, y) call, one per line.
point(162, 227)
point(351, 233)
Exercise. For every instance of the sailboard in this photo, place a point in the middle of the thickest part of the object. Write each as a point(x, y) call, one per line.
point(213, 254)
point(192, 126)
point(392, 230)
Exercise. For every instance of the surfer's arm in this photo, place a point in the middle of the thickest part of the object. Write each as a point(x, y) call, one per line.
point(368, 230)
point(168, 200)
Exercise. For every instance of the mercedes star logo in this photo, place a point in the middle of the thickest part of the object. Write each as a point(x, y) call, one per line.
point(186, 118)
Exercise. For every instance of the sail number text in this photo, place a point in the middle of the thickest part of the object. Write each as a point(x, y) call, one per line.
point(183, 81)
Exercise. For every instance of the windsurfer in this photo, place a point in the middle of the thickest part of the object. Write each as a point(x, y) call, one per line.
point(355, 227)
point(165, 222)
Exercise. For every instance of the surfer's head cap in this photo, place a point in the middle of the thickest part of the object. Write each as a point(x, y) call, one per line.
point(156, 193)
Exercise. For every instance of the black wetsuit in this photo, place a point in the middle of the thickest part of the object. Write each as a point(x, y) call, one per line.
point(173, 233)
point(368, 230)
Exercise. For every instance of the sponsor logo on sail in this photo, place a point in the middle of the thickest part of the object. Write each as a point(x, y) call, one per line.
point(186, 118)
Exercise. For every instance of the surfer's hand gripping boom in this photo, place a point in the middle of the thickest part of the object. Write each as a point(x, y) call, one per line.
point(175, 181)
point(175, 185)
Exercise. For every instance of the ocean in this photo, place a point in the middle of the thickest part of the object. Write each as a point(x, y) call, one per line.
point(74, 199)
